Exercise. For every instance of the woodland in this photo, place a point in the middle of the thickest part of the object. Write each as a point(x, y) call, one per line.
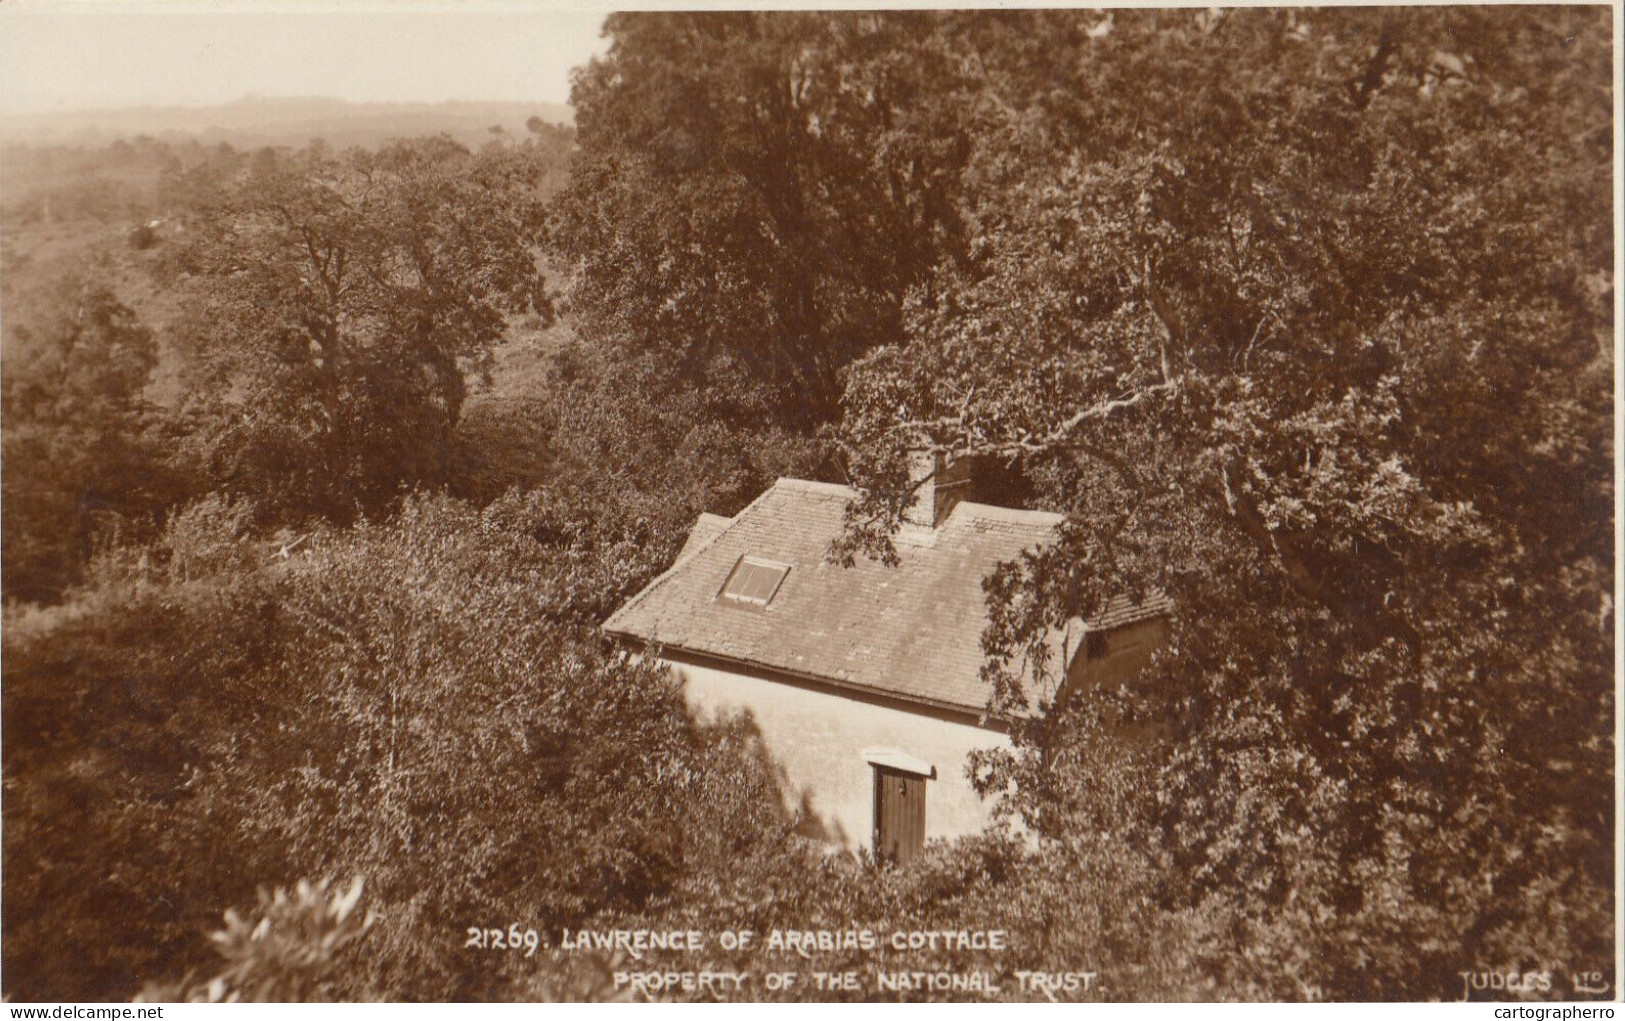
point(322, 466)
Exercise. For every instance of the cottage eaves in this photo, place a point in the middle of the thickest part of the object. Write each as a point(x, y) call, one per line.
point(910, 631)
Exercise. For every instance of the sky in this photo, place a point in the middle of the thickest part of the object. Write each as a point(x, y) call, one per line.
point(58, 55)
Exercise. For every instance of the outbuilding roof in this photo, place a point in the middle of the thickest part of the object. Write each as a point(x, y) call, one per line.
point(911, 631)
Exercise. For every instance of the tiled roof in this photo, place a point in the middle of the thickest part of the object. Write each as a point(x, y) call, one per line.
point(705, 529)
point(912, 631)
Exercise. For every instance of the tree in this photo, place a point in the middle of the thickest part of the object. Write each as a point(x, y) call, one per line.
point(1303, 317)
point(422, 701)
point(755, 193)
point(343, 303)
point(79, 470)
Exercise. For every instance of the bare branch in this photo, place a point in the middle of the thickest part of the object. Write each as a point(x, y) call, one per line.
point(1024, 442)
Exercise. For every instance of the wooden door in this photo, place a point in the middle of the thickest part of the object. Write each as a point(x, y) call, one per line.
point(899, 815)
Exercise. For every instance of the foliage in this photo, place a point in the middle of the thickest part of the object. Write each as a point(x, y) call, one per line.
point(419, 701)
point(210, 536)
point(79, 469)
point(753, 196)
point(291, 953)
point(1325, 355)
point(339, 306)
point(630, 452)
point(1301, 316)
point(113, 864)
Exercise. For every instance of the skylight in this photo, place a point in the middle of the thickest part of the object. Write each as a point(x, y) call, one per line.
point(754, 581)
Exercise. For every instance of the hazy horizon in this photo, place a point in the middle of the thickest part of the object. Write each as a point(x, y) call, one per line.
point(73, 56)
point(290, 97)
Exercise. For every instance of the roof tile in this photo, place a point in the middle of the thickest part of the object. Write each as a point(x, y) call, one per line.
point(913, 630)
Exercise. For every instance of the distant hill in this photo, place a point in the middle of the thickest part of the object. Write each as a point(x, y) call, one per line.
point(255, 121)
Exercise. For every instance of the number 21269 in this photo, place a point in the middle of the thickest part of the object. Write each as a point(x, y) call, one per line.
point(511, 938)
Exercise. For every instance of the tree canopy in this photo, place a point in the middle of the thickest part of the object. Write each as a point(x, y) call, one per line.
point(754, 194)
point(340, 304)
point(81, 469)
point(1303, 317)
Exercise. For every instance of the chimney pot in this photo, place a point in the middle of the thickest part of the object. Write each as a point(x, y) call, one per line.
point(944, 485)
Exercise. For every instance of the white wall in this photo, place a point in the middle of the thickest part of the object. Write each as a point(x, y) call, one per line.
point(818, 739)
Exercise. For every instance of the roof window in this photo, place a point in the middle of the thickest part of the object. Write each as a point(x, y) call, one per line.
point(754, 581)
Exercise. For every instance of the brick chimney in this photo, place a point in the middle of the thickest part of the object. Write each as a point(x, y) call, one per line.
point(944, 486)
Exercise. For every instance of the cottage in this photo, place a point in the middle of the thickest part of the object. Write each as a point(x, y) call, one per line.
point(865, 681)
